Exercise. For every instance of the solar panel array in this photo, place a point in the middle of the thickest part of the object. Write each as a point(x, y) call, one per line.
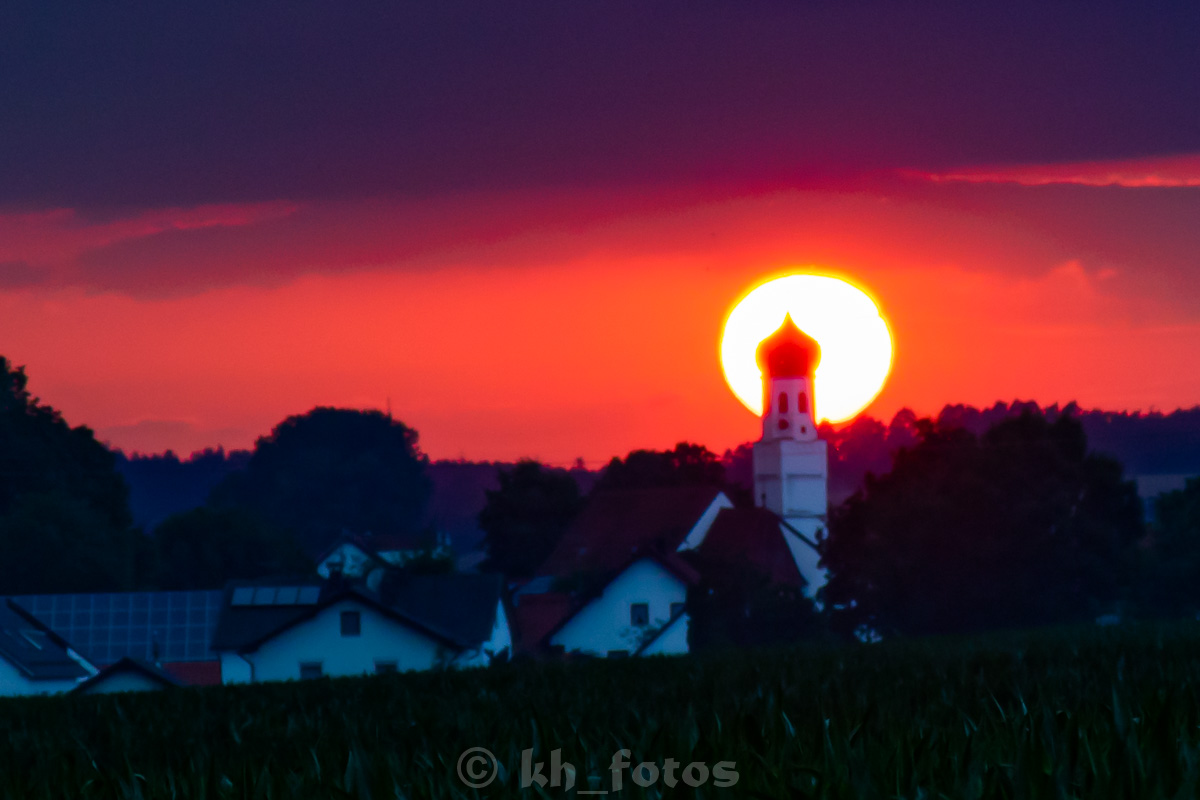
point(107, 627)
point(275, 596)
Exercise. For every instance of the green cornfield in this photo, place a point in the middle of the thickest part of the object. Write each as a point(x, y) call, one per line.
point(1080, 713)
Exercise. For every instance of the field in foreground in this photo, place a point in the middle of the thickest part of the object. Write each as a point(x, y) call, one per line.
point(1091, 713)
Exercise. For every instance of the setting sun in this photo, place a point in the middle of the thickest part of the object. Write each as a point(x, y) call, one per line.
point(856, 346)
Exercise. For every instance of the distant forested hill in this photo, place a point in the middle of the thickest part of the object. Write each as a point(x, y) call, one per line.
point(162, 485)
point(1147, 444)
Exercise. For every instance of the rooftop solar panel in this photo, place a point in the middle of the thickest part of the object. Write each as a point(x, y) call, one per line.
point(264, 596)
point(286, 596)
point(242, 596)
point(171, 626)
point(308, 595)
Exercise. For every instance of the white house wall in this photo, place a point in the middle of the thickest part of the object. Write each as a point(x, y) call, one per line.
point(603, 625)
point(320, 639)
point(234, 669)
point(671, 642)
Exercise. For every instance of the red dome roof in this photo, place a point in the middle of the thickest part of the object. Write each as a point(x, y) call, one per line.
point(788, 352)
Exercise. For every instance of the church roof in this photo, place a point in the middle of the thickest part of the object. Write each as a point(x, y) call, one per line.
point(752, 535)
point(788, 352)
point(617, 523)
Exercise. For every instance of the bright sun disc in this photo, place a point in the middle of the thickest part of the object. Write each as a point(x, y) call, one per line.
point(856, 346)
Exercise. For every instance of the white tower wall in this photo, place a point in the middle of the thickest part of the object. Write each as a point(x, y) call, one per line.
point(791, 471)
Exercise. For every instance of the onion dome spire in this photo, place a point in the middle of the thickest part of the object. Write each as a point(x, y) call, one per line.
point(788, 352)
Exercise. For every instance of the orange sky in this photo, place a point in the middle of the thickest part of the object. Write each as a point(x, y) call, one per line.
point(586, 324)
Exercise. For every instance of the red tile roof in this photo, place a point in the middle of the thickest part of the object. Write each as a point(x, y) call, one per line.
point(616, 524)
point(752, 534)
point(536, 615)
point(194, 673)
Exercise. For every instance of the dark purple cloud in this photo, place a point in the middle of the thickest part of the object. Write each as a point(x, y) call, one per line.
point(181, 103)
point(21, 275)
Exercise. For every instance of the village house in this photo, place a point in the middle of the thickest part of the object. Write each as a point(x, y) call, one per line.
point(618, 581)
point(615, 585)
point(271, 631)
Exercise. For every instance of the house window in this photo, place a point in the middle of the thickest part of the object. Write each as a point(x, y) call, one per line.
point(351, 623)
point(310, 669)
point(385, 667)
point(639, 614)
point(677, 609)
point(618, 653)
point(783, 408)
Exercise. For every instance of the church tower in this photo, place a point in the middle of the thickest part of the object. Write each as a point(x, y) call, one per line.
point(791, 464)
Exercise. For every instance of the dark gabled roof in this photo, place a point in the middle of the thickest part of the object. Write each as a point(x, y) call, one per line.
point(127, 664)
point(462, 605)
point(243, 628)
point(388, 542)
point(615, 524)
point(801, 536)
point(753, 535)
point(48, 659)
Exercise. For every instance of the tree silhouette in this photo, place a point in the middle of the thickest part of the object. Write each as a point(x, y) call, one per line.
point(1018, 527)
point(526, 516)
point(64, 513)
point(1170, 579)
point(203, 548)
point(330, 471)
point(685, 465)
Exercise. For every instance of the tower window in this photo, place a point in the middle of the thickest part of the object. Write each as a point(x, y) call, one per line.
point(802, 403)
point(783, 404)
